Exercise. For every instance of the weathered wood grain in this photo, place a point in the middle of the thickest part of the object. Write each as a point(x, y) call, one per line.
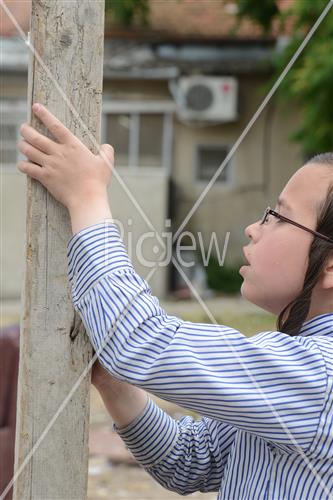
point(54, 349)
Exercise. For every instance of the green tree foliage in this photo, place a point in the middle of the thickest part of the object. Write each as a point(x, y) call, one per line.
point(128, 12)
point(310, 81)
point(262, 12)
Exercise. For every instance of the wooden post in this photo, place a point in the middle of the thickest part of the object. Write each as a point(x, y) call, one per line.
point(54, 349)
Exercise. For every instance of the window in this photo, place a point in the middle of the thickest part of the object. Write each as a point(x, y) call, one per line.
point(118, 134)
point(140, 132)
point(150, 140)
point(209, 159)
point(12, 115)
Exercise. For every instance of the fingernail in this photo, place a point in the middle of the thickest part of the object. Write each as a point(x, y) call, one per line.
point(36, 107)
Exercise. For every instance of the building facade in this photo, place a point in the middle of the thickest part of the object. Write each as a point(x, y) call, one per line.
point(166, 156)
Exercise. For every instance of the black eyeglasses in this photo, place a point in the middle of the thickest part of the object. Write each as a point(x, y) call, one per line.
point(269, 211)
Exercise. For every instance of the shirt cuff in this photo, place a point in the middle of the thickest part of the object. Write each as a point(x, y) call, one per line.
point(151, 436)
point(94, 252)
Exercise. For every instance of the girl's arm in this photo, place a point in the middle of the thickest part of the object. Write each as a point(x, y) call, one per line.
point(184, 455)
point(271, 385)
point(124, 402)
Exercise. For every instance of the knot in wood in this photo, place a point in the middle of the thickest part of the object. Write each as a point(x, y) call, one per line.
point(66, 39)
point(75, 326)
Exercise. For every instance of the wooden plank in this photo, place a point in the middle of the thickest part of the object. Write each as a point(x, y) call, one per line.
point(54, 349)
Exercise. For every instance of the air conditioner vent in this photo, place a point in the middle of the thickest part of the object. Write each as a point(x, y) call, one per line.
point(207, 98)
point(199, 97)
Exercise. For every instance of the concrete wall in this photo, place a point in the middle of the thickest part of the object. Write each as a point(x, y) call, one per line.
point(13, 198)
point(141, 207)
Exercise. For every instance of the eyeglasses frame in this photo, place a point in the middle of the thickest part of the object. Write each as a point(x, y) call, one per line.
point(269, 211)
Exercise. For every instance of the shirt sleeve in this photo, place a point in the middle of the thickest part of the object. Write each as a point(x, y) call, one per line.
point(184, 455)
point(271, 385)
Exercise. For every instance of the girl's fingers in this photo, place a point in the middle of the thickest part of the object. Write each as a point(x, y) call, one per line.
point(57, 129)
point(32, 153)
point(36, 139)
point(31, 169)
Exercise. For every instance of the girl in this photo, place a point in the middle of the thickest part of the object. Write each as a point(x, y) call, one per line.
point(267, 401)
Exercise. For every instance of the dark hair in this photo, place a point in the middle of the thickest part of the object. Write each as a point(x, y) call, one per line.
point(292, 317)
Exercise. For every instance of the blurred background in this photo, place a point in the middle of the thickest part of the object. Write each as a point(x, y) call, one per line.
point(182, 79)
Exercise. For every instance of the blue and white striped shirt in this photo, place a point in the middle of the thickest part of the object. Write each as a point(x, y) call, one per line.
point(266, 401)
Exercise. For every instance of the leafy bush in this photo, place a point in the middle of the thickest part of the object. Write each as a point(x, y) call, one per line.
point(128, 12)
point(223, 278)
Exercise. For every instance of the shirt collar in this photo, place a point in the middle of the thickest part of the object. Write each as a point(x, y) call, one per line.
point(319, 325)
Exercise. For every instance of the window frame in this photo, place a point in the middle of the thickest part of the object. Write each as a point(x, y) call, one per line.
point(13, 112)
point(135, 109)
point(16, 113)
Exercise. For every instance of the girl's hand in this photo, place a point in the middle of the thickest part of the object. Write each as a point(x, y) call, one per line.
point(65, 167)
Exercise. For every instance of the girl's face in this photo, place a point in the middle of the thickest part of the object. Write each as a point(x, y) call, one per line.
point(278, 251)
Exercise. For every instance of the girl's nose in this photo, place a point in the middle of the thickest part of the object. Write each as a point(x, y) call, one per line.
point(251, 231)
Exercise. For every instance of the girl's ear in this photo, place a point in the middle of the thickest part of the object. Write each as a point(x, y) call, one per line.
point(327, 276)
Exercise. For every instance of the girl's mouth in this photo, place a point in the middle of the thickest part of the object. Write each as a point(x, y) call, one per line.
point(246, 256)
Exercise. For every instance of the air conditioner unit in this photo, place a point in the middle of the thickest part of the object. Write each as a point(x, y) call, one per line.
point(207, 98)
